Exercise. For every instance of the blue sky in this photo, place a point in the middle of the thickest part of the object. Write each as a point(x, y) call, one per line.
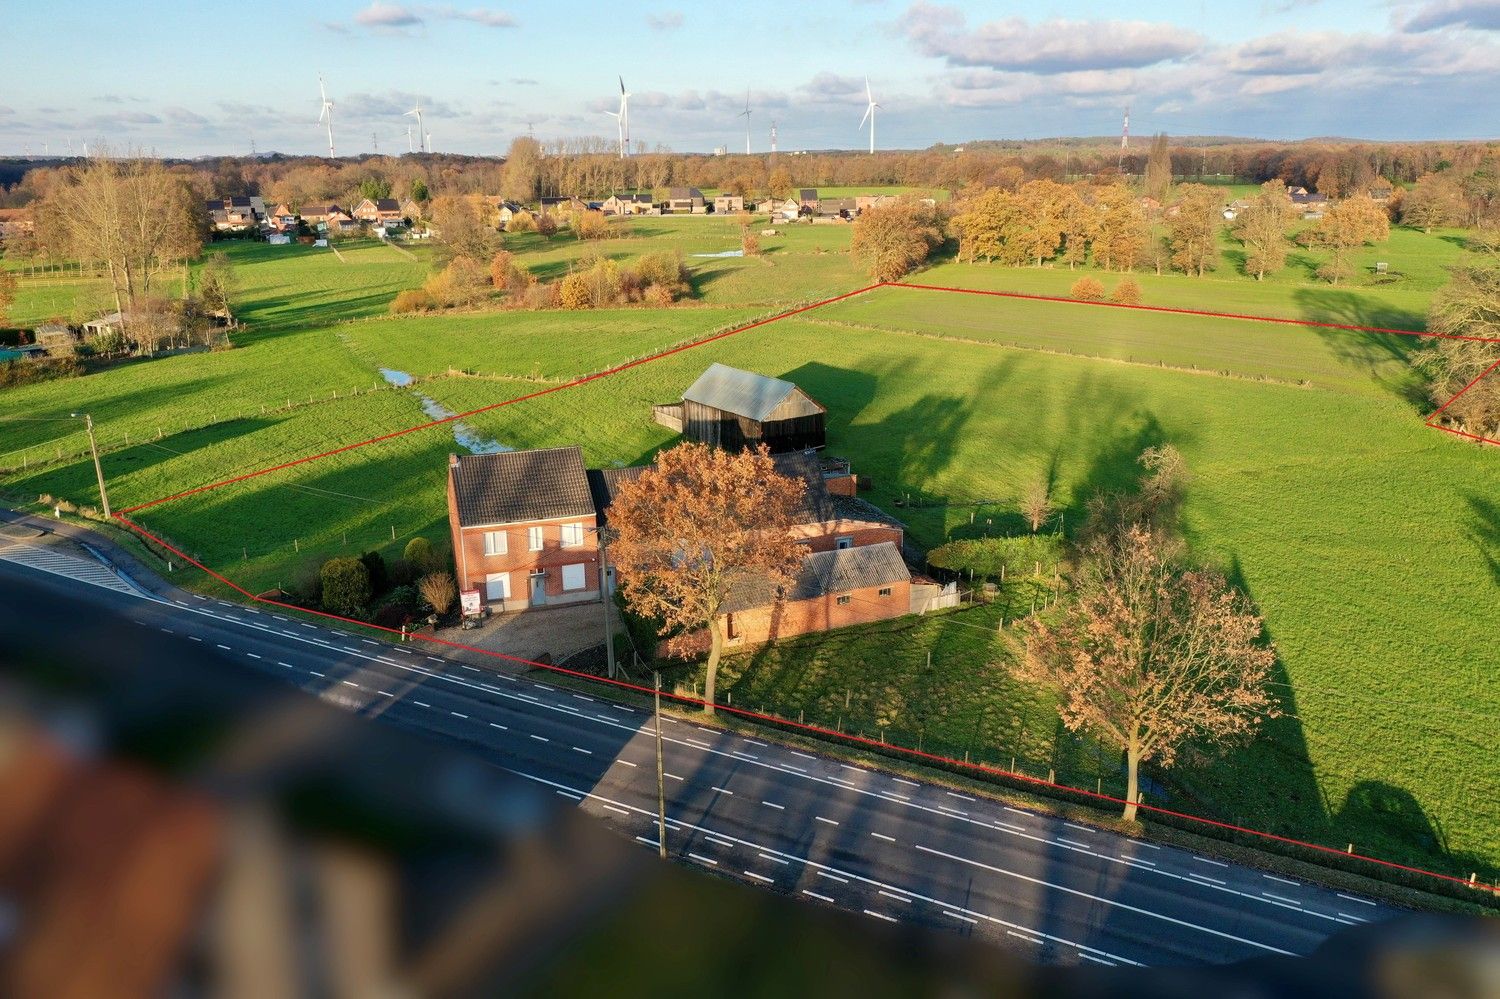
point(193, 78)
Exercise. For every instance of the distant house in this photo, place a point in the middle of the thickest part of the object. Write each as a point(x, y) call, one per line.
point(563, 206)
point(725, 204)
point(235, 214)
point(108, 323)
point(638, 203)
point(315, 215)
point(1381, 190)
point(382, 211)
point(411, 210)
point(16, 222)
point(283, 219)
point(505, 211)
point(524, 527)
point(1234, 208)
point(784, 209)
point(864, 202)
point(835, 210)
point(808, 198)
point(1312, 205)
point(735, 409)
point(684, 201)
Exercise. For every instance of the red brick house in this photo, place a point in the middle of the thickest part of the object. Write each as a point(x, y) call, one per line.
point(381, 210)
point(524, 528)
point(834, 589)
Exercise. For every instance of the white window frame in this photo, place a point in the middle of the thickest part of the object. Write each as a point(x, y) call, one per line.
point(884, 591)
point(843, 543)
point(572, 535)
point(843, 599)
point(503, 578)
point(536, 539)
point(583, 577)
point(490, 545)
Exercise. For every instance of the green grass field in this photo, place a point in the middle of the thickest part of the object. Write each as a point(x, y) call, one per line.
point(1370, 543)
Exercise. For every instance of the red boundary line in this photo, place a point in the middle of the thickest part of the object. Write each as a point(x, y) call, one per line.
point(816, 729)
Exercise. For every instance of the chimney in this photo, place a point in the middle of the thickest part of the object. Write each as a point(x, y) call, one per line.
point(452, 460)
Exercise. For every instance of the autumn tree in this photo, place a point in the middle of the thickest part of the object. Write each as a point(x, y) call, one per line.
point(1127, 292)
point(894, 238)
point(461, 228)
point(546, 225)
point(521, 178)
point(1080, 224)
point(1344, 228)
point(591, 225)
point(1437, 199)
point(1152, 656)
point(1261, 227)
point(779, 185)
point(1123, 230)
point(1087, 289)
point(7, 292)
point(506, 274)
point(1036, 503)
point(1159, 167)
point(1468, 307)
point(1193, 229)
point(696, 525)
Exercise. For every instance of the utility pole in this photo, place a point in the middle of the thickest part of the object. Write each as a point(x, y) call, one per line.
point(661, 787)
point(604, 598)
point(88, 425)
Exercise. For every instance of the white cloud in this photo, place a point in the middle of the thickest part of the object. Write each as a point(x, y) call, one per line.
point(1480, 15)
point(398, 18)
point(667, 20)
point(1054, 46)
point(387, 15)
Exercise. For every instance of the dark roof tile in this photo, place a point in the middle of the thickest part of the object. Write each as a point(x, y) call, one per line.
point(516, 486)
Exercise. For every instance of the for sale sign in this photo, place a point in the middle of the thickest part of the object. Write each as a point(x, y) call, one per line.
point(472, 602)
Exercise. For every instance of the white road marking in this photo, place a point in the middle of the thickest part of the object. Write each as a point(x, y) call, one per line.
point(820, 898)
point(1351, 898)
point(888, 839)
point(855, 769)
point(772, 804)
point(169, 631)
point(760, 877)
point(224, 647)
point(719, 842)
point(540, 738)
point(1022, 936)
point(722, 790)
point(803, 755)
point(1098, 960)
point(951, 811)
point(1357, 919)
point(386, 693)
point(569, 794)
point(833, 877)
point(673, 776)
point(287, 665)
point(315, 673)
point(369, 642)
point(194, 638)
point(457, 715)
point(1205, 860)
point(1149, 846)
point(1205, 877)
point(422, 704)
point(1272, 877)
point(745, 756)
point(583, 698)
point(955, 794)
point(1106, 901)
point(1016, 810)
point(1074, 825)
point(705, 860)
point(767, 856)
point(252, 655)
point(585, 752)
point(957, 916)
point(622, 811)
point(877, 915)
point(757, 742)
point(899, 898)
point(903, 780)
point(350, 683)
point(626, 762)
point(1293, 901)
point(829, 821)
point(495, 725)
point(1070, 842)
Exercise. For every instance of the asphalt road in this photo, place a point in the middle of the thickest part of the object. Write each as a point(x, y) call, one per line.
point(764, 814)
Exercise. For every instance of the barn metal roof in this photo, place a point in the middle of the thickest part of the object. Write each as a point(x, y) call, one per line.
point(743, 393)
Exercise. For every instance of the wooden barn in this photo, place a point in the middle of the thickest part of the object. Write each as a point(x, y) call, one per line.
point(735, 409)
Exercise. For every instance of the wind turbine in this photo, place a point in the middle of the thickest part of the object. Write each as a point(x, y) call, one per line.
point(870, 109)
point(745, 114)
point(622, 119)
point(409, 147)
point(326, 115)
point(421, 135)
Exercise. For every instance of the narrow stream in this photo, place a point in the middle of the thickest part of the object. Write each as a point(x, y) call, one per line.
point(463, 434)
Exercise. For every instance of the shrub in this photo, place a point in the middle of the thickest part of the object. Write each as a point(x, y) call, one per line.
point(345, 584)
point(541, 296)
point(380, 579)
point(1127, 292)
point(546, 225)
point(657, 296)
point(591, 225)
point(984, 557)
point(750, 245)
point(505, 273)
point(419, 553)
point(1087, 289)
point(398, 608)
point(664, 268)
point(573, 292)
point(439, 590)
point(522, 221)
point(413, 300)
point(463, 282)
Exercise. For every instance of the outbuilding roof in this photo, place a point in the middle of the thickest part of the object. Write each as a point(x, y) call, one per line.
point(520, 486)
point(743, 393)
point(822, 573)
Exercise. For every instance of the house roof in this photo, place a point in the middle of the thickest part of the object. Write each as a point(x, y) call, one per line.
point(387, 205)
point(822, 574)
point(808, 194)
point(515, 486)
point(684, 193)
point(743, 393)
point(604, 484)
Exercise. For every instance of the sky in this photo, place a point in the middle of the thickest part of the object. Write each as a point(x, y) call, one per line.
point(187, 79)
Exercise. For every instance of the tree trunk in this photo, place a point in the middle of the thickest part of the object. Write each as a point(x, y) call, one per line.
point(1133, 785)
point(715, 649)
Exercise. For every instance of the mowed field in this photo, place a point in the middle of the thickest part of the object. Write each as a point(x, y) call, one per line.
point(1370, 543)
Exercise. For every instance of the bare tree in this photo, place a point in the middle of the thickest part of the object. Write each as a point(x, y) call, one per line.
point(1152, 656)
point(1036, 503)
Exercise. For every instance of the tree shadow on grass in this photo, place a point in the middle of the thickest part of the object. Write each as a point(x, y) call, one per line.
point(1385, 357)
point(1485, 531)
